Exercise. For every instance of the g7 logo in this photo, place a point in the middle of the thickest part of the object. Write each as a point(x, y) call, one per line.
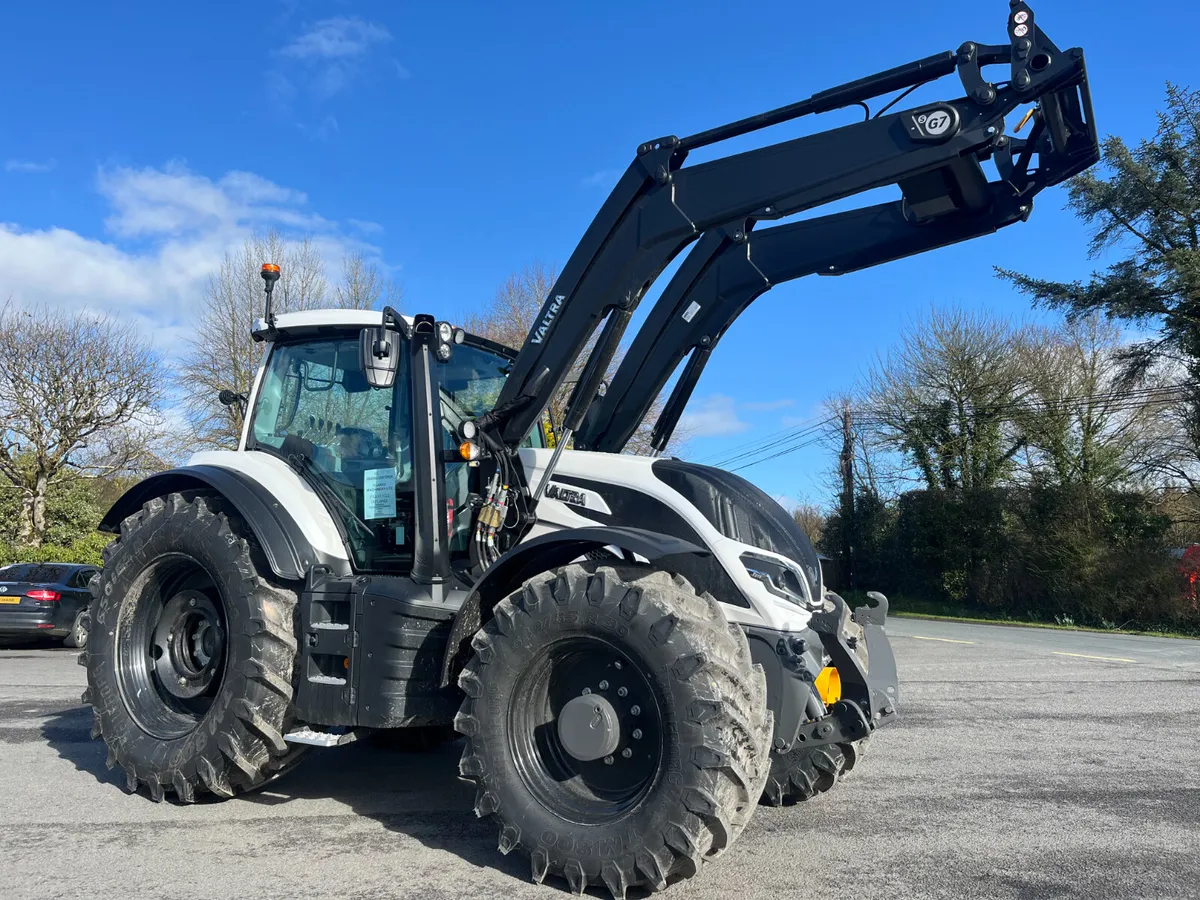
point(937, 122)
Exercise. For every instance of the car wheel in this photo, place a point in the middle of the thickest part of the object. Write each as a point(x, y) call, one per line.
point(79, 630)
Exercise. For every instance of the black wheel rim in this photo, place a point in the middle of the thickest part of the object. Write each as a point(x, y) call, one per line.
point(586, 792)
point(171, 647)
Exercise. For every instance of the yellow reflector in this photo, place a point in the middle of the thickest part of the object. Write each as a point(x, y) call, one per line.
point(829, 685)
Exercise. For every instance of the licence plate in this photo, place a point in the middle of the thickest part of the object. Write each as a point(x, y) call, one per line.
point(9, 599)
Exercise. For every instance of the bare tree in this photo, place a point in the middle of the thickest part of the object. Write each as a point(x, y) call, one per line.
point(223, 354)
point(79, 394)
point(811, 519)
point(1087, 419)
point(945, 398)
point(876, 471)
point(363, 287)
point(510, 315)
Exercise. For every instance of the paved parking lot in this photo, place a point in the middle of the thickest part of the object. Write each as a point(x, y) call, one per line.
point(1028, 764)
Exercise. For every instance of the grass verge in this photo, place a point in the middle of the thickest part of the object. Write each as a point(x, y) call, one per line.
point(905, 608)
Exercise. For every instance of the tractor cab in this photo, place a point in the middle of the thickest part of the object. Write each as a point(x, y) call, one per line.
point(357, 445)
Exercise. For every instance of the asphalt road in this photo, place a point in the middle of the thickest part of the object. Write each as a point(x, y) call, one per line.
point(1027, 764)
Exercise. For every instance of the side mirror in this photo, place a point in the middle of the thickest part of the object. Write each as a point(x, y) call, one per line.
point(379, 356)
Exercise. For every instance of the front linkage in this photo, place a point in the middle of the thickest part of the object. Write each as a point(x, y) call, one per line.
point(817, 743)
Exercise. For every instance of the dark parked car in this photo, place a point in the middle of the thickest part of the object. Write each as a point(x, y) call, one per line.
point(46, 598)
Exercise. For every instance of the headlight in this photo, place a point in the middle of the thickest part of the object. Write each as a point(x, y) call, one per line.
point(781, 580)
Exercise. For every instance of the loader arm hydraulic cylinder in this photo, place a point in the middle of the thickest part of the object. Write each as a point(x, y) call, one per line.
point(659, 206)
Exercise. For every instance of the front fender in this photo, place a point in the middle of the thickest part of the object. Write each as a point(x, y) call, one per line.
point(540, 555)
point(288, 551)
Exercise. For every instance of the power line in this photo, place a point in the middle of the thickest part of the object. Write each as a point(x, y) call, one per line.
point(782, 434)
point(1127, 400)
point(756, 449)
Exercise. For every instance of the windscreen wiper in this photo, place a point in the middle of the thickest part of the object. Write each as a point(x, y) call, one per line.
point(300, 460)
point(659, 206)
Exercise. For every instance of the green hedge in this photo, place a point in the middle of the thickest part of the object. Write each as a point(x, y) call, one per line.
point(1073, 555)
point(86, 549)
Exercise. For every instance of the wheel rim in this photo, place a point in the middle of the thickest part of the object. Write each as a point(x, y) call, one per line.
point(586, 792)
point(172, 649)
point(80, 632)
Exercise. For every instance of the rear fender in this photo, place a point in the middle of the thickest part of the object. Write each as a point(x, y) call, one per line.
point(542, 554)
point(289, 552)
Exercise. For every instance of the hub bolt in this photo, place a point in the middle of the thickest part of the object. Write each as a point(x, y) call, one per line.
point(604, 685)
point(192, 601)
point(608, 760)
point(183, 681)
point(617, 665)
point(621, 692)
point(587, 690)
point(627, 753)
point(637, 733)
point(636, 710)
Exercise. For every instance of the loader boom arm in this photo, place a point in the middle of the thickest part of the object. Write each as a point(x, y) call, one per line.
point(730, 268)
point(933, 152)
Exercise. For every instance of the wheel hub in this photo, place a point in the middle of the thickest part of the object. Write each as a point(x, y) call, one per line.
point(586, 730)
point(188, 645)
point(589, 728)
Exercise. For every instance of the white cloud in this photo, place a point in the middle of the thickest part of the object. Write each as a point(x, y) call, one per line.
point(716, 417)
point(602, 178)
point(29, 167)
point(328, 56)
point(166, 234)
point(787, 501)
point(342, 37)
point(767, 405)
point(365, 226)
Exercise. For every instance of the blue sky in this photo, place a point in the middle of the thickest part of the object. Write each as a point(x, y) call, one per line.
point(457, 142)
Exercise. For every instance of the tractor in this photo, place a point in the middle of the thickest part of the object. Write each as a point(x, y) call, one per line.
point(635, 650)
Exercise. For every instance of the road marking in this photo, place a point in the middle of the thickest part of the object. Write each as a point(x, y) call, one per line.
point(1085, 656)
point(943, 640)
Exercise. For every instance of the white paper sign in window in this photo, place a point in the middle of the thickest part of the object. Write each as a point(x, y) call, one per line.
point(379, 493)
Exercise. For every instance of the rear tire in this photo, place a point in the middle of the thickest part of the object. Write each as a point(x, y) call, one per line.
point(192, 652)
point(689, 706)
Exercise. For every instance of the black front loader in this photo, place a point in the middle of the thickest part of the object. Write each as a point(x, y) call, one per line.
point(933, 152)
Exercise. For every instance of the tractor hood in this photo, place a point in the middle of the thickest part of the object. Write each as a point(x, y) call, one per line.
point(670, 496)
point(742, 512)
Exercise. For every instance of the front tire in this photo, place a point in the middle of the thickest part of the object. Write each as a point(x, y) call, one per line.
point(683, 756)
point(192, 651)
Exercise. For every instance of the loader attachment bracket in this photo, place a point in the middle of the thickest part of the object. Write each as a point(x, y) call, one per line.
point(872, 686)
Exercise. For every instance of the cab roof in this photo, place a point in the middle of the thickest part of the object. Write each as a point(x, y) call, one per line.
point(319, 320)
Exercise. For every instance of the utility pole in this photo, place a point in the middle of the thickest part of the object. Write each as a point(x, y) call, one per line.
point(847, 464)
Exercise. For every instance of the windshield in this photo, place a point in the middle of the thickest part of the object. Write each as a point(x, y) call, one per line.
point(355, 442)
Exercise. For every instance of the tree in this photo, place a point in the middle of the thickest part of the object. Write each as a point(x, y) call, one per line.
point(811, 519)
point(944, 398)
point(1086, 420)
point(510, 315)
point(223, 354)
point(79, 395)
point(362, 286)
point(1148, 208)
